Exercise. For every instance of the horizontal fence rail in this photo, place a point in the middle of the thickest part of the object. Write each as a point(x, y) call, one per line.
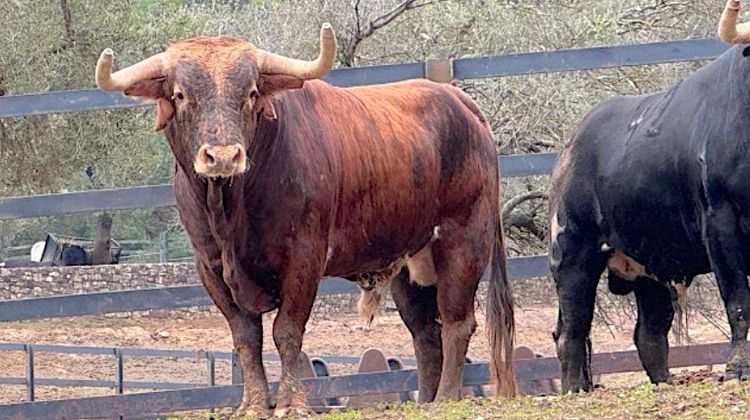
point(463, 68)
point(163, 195)
point(142, 352)
point(588, 58)
point(120, 353)
point(162, 402)
point(175, 297)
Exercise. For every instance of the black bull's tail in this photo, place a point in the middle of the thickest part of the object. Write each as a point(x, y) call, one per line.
point(500, 322)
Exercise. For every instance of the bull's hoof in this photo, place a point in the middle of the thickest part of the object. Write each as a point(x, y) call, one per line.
point(738, 366)
point(576, 390)
point(737, 371)
point(295, 412)
point(578, 384)
point(248, 412)
point(665, 378)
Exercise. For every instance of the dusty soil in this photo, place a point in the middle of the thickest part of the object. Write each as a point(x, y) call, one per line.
point(333, 335)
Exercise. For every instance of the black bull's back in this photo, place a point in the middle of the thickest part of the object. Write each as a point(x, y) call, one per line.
point(639, 173)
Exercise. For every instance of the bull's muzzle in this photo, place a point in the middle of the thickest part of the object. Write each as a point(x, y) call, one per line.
point(220, 161)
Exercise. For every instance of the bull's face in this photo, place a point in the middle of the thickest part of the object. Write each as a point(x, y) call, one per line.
point(210, 93)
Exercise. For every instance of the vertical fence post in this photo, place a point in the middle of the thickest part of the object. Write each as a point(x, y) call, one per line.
point(163, 247)
point(211, 368)
point(440, 71)
point(29, 372)
point(236, 368)
point(119, 372)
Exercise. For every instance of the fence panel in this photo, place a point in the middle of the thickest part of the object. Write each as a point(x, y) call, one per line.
point(398, 381)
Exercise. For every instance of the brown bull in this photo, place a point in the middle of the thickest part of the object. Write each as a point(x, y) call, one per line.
point(281, 179)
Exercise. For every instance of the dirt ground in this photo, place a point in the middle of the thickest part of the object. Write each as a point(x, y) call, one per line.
point(332, 335)
point(702, 397)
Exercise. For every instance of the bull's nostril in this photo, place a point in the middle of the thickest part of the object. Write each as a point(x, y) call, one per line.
point(237, 157)
point(210, 161)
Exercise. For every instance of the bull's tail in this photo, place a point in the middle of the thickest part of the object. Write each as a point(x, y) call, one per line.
point(500, 322)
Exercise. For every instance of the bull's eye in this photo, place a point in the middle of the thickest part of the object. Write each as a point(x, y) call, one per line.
point(178, 96)
point(253, 94)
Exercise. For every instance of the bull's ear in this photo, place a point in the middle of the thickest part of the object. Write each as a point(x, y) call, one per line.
point(149, 89)
point(164, 113)
point(268, 86)
point(264, 105)
point(154, 89)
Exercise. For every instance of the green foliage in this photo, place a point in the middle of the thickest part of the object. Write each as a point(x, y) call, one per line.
point(40, 53)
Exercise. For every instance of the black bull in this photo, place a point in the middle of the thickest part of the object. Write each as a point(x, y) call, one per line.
point(655, 188)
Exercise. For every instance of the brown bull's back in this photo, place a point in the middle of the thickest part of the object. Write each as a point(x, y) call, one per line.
point(398, 158)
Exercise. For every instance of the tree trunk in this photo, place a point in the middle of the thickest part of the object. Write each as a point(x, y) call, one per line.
point(102, 253)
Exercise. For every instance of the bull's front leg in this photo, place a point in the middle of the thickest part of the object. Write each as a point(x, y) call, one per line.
point(297, 298)
point(726, 250)
point(247, 335)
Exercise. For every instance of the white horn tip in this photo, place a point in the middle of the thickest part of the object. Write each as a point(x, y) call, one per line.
point(326, 26)
point(108, 51)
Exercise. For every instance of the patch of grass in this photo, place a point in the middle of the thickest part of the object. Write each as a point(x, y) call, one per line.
point(701, 400)
point(713, 401)
point(345, 415)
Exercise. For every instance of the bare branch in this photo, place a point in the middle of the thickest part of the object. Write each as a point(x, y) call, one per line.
point(361, 33)
point(69, 33)
point(519, 199)
point(358, 18)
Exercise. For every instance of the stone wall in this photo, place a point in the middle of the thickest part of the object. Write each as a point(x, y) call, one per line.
point(19, 283)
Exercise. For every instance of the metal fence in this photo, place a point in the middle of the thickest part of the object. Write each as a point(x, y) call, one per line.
point(118, 382)
point(184, 296)
point(399, 381)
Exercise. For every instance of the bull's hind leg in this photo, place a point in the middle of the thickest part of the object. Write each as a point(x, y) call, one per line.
point(726, 250)
point(460, 257)
point(417, 306)
point(655, 314)
point(576, 264)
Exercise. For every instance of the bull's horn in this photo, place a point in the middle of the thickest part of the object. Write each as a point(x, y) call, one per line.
point(271, 63)
point(147, 69)
point(729, 31)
